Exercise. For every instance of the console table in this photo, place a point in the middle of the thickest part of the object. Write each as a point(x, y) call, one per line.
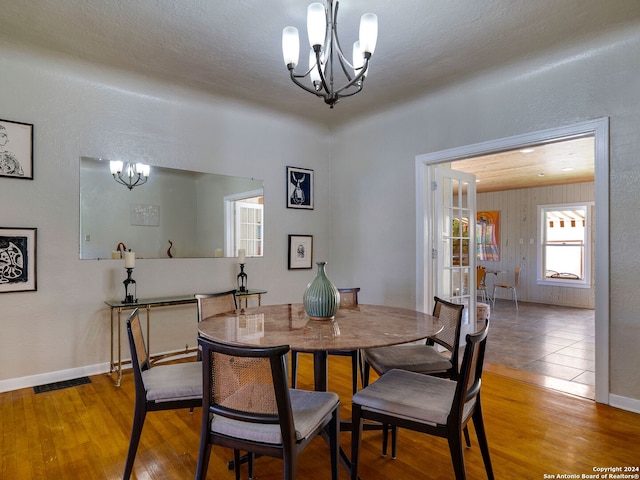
point(117, 307)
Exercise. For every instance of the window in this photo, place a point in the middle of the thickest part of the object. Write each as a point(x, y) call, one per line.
point(564, 247)
point(248, 215)
point(244, 223)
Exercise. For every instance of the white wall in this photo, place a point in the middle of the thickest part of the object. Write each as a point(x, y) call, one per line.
point(79, 110)
point(373, 201)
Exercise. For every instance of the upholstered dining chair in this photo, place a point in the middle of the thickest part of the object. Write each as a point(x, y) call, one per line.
point(248, 406)
point(348, 298)
point(210, 304)
point(421, 358)
point(509, 286)
point(428, 404)
point(163, 387)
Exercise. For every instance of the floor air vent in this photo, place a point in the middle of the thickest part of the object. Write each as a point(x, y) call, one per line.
point(60, 385)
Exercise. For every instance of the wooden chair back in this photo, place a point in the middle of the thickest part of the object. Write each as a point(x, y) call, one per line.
point(348, 297)
point(210, 304)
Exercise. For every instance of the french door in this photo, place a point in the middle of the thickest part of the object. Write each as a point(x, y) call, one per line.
point(453, 240)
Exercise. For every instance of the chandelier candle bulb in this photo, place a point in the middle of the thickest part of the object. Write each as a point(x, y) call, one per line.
point(316, 24)
point(290, 46)
point(368, 32)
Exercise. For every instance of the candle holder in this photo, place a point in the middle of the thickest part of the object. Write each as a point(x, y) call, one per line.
point(242, 279)
point(129, 283)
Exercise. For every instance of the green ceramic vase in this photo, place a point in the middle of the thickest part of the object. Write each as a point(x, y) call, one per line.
point(321, 298)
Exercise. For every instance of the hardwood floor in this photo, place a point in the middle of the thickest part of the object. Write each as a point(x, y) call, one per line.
point(83, 432)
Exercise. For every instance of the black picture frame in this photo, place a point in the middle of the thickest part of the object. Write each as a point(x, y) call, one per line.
point(18, 259)
point(300, 252)
point(299, 188)
point(16, 150)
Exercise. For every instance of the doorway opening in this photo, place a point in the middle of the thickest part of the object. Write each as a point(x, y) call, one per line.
point(598, 130)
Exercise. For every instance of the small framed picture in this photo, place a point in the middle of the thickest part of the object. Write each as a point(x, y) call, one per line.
point(16, 150)
point(299, 188)
point(17, 259)
point(300, 251)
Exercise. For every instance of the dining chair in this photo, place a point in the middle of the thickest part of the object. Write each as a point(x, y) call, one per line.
point(210, 304)
point(348, 298)
point(423, 358)
point(248, 406)
point(481, 286)
point(428, 404)
point(163, 387)
point(509, 286)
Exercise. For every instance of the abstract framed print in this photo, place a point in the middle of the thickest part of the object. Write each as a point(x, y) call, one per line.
point(17, 259)
point(300, 251)
point(299, 188)
point(16, 150)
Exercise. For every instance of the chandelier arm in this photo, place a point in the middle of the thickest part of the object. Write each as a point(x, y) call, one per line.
point(323, 80)
point(341, 57)
point(350, 94)
point(140, 180)
point(355, 80)
point(295, 77)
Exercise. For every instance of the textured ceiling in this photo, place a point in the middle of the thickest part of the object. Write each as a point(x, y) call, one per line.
point(233, 47)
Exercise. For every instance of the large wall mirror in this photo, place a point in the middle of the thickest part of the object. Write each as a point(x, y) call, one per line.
point(175, 213)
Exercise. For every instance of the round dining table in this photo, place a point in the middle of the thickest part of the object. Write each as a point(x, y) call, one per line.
point(353, 328)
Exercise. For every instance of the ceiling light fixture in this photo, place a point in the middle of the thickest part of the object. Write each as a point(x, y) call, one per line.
point(526, 150)
point(323, 38)
point(129, 174)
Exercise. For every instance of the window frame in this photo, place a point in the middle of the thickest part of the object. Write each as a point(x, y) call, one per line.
point(586, 281)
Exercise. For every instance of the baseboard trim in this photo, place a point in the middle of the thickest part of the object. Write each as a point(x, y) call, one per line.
point(624, 403)
point(69, 374)
point(51, 377)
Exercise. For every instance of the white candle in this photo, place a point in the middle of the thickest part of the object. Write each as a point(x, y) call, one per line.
point(218, 253)
point(129, 259)
point(241, 255)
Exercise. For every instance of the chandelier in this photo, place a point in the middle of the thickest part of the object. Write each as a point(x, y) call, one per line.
point(323, 38)
point(129, 174)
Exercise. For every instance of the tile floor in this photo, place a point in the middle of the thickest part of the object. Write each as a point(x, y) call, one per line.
point(555, 343)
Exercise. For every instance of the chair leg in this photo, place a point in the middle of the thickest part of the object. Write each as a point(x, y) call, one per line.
point(236, 463)
point(478, 423)
point(385, 438)
point(354, 371)
point(356, 436)
point(139, 415)
point(457, 454)
point(203, 459)
point(250, 458)
point(394, 442)
point(334, 443)
point(515, 297)
point(366, 371)
point(294, 369)
point(467, 438)
point(290, 461)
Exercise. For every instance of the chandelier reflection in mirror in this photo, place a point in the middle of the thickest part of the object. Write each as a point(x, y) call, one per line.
point(325, 45)
point(129, 174)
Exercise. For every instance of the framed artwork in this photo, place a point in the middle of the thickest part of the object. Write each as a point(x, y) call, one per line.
point(300, 251)
point(16, 150)
point(488, 235)
point(17, 259)
point(299, 188)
